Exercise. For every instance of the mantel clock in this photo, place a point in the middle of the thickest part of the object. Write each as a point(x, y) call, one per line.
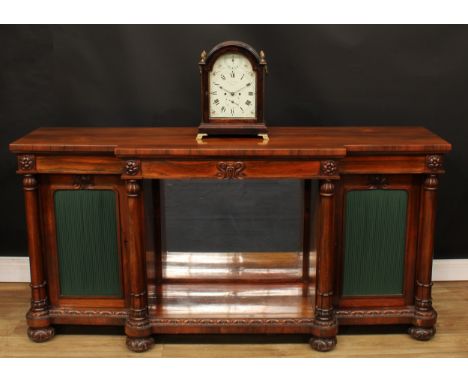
point(232, 89)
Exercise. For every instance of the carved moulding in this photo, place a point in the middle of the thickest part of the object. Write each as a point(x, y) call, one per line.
point(30, 182)
point(230, 170)
point(377, 182)
point(83, 182)
point(234, 321)
point(375, 313)
point(431, 183)
point(88, 313)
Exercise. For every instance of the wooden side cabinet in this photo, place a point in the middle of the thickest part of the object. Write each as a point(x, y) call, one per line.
point(367, 237)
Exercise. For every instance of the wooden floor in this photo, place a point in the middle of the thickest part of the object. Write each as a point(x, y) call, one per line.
point(451, 340)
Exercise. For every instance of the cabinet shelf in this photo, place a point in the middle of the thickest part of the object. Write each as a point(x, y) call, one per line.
point(231, 307)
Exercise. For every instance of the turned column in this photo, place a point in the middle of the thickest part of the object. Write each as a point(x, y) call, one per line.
point(425, 315)
point(39, 329)
point(325, 320)
point(137, 327)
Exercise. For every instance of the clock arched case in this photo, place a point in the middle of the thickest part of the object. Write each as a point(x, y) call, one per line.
point(232, 90)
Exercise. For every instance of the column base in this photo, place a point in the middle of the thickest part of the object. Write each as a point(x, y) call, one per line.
point(139, 344)
point(422, 334)
point(323, 344)
point(41, 334)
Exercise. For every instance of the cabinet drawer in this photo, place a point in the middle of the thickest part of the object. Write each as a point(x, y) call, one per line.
point(231, 169)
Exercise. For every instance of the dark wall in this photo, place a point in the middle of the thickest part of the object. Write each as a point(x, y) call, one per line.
point(319, 75)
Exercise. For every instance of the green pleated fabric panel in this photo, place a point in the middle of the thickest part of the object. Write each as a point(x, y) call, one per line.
point(375, 240)
point(87, 243)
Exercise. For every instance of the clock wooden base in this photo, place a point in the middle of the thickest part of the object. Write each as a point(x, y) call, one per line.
point(88, 219)
point(251, 129)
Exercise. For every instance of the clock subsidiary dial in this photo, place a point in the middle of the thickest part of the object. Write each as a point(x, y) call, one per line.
point(232, 88)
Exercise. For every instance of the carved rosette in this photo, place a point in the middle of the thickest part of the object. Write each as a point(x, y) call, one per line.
point(328, 167)
point(434, 162)
point(139, 344)
point(41, 334)
point(323, 344)
point(421, 334)
point(26, 162)
point(230, 170)
point(132, 167)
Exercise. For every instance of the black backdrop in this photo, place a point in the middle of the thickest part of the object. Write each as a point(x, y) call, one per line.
point(319, 75)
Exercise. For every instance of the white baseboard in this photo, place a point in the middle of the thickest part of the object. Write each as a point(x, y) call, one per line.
point(16, 269)
point(450, 270)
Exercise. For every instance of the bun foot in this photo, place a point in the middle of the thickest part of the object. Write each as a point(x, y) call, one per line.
point(323, 343)
point(421, 334)
point(41, 334)
point(139, 344)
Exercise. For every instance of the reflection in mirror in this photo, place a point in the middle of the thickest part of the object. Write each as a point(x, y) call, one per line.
point(246, 229)
point(232, 242)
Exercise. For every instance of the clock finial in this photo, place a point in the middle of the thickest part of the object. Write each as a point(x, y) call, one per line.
point(203, 57)
point(263, 60)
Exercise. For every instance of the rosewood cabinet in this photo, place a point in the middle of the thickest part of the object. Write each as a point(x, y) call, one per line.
point(96, 232)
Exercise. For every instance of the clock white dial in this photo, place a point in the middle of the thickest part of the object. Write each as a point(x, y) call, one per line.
point(232, 87)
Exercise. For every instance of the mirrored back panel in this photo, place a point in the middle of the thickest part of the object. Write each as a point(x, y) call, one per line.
point(248, 230)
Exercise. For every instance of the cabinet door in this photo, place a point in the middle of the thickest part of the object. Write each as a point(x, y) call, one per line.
point(377, 240)
point(84, 236)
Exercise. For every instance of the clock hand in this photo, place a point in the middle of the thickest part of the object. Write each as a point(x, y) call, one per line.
point(238, 105)
point(226, 90)
point(243, 87)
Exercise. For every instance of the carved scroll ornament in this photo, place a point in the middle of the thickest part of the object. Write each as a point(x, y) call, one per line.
point(230, 170)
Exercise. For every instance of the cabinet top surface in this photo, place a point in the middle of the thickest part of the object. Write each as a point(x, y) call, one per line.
point(180, 141)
